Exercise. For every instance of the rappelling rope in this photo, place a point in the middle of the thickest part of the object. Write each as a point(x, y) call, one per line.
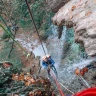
point(57, 83)
point(8, 27)
point(8, 33)
point(61, 84)
point(84, 81)
point(66, 88)
point(35, 25)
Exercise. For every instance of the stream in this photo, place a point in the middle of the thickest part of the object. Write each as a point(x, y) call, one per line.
point(54, 47)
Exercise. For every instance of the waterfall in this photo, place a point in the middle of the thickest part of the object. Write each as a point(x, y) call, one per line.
point(32, 45)
point(55, 45)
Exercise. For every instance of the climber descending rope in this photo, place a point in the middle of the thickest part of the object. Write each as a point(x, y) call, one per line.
point(61, 92)
point(48, 63)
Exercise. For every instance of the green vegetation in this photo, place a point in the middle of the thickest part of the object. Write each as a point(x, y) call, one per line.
point(4, 53)
point(75, 52)
point(41, 16)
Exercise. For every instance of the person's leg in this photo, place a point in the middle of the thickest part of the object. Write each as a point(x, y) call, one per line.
point(55, 71)
point(48, 70)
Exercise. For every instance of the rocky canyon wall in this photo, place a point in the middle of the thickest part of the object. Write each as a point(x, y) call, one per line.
point(81, 15)
point(55, 5)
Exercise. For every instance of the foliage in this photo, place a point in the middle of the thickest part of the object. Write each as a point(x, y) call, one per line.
point(70, 39)
point(75, 52)
point(4, 53)
point(7, 31)
point(70, 35)
point(13, 80)
point(6, 34)
point(38, 11)
point(20, 15)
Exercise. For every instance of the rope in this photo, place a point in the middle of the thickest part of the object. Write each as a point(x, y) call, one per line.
point(57, 83)
point(12, 38)
point(8, 27)
point(66, 88)
point(84, 81)
point(61, 84)
point(35, 25)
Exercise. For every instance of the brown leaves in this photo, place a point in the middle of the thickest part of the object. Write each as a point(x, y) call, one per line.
point(73, 8)
point(6, 65)
point(38, 82)
point(29, 80)
point(36, 93)
point(88, 13)
point(77, 71)
point(81, 72)
point(21, 77)
point(15, 77)
point(28, 83)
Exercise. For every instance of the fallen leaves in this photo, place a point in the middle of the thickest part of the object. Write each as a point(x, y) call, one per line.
point(6, 64)
point(15, 77)
point(29, 80)
point(81, 72)
point(77, 71)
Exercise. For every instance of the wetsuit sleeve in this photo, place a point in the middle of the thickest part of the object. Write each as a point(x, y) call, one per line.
point(52, 60)
point(44, 64)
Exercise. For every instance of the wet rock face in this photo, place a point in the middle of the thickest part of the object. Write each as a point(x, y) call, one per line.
point(80, 14)
point(55, 5)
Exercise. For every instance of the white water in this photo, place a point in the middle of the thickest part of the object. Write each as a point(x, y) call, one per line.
point(55, 46)
point(37, 48)
point(82, 64)
point(55, 49)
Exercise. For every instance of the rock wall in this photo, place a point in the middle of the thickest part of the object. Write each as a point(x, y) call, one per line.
point(55, 5)
point(80, 14)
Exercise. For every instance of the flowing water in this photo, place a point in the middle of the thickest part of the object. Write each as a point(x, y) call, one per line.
point(54, 47)
point(33, 46)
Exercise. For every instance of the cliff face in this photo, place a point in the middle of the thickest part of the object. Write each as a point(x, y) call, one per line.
point(55, 5)
point(81, 15)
